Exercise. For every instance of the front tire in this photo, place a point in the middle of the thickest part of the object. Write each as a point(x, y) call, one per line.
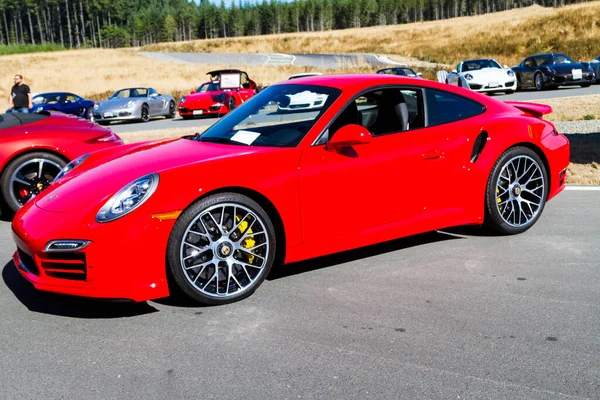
point(172, 110)
point(584, 85)
point(516, 192)
point(221, 249)
point(232, 104)
point(145, 113)
point(89, 114)
point(538, 81)
point(26, 176)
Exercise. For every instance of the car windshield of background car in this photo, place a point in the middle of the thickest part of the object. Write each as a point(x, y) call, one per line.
point(208, 87)
point(279, 116)
point(562, 59)
point(46, 99)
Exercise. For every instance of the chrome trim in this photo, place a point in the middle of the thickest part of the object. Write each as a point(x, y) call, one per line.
point(82, 245)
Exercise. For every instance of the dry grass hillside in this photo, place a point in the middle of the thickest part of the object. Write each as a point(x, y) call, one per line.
point(507, 36)
point(98, 73)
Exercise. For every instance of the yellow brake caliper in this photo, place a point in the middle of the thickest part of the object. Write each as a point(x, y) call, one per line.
point(249, 241)
point(498, 199)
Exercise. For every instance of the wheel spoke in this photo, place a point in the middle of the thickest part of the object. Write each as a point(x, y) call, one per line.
point(40, 168)
point(24, 182)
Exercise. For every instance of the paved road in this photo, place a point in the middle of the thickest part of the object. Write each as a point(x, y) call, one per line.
point(444, 316)
point(322, 61)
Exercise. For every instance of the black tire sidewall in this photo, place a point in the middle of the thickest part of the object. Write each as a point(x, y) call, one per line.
point(147, 113)
point(174, 269)
point(172, 110)
point(13, 166)
point(493, 219)
point(535, 77)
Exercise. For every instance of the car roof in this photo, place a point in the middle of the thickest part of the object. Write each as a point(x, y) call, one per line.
point(51, 93)
point(225, 71)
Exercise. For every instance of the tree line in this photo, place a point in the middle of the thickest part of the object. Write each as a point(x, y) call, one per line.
point(122, 23)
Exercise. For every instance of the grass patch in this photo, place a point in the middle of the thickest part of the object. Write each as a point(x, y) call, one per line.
point(29, 48)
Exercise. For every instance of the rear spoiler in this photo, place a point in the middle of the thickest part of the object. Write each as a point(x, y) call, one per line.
point(537, 110)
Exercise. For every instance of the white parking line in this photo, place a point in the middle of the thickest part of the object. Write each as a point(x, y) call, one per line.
point(584, 188)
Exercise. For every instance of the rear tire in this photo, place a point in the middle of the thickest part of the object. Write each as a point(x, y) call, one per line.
point(585, 85)
point(20, 181)
point(213, 257)
point(516, 192)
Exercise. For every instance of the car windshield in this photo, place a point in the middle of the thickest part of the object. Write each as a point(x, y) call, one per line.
point(473, 65)
point(208, 87)
point(48, 98)
point(279, 116)
point(398, 71)
point(127, 93)
point(562, 59)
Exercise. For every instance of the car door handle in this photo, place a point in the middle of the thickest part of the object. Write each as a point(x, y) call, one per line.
point(433, 154)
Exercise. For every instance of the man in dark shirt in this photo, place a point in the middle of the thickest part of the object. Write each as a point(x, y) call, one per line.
point(19, 100)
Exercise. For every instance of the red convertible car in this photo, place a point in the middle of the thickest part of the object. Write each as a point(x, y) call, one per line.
point(226, 90)
point(383, 157)
point(34, 148)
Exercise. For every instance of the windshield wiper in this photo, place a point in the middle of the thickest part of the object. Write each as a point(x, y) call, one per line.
point(213, 139)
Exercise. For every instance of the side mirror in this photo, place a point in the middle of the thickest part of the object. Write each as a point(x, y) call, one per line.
point(349, 135)
point(420, 74)
point(454, 71)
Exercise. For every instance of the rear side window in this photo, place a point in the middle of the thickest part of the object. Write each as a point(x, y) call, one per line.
point(444, 107)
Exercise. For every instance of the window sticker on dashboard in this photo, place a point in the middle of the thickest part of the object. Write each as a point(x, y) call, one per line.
point(245, 137)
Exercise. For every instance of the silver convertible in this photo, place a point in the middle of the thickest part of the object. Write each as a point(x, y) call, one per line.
point(134, 104)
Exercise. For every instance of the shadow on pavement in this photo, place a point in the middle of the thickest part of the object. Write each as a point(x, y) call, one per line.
point(67, 306)
point(585, 147)
point(358, 254)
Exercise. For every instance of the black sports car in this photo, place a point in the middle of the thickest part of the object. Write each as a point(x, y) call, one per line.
point(402, 71)
point(552, 70)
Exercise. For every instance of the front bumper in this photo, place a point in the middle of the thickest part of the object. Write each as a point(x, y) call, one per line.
point(124, 260)
point(120, 114)
point(199, 111)
point(567, 79)
point(486, 87)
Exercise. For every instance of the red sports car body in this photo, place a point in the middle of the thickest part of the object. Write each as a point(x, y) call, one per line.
point(384, 157)
point(35, 147)
point(218, 96)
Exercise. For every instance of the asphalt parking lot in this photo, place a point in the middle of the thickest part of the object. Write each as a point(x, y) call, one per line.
point(441, 315)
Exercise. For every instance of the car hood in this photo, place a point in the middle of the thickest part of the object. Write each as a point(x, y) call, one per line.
point(488, 73)
point(116, 102)
point(102, 176)
point(206, 97)
point(567, 68)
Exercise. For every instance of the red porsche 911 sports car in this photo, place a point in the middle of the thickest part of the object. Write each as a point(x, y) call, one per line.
point(34, 148)
point(226, 90)
point(382, 157)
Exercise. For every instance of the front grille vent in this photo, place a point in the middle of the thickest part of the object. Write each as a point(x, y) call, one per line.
point(65, 266)
point(28, 262)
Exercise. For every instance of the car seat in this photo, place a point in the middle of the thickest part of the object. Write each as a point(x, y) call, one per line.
point(393, 113)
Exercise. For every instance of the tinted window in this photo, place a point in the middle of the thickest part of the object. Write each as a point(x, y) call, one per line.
point(561, 58)
point(473, 65)
point(48, 98)
point(209, 87)
point(529, 63)
point(444, 107)
point(70, 98)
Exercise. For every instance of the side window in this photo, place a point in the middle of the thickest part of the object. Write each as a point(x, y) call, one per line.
point(70, 98)
point(382, 112)
point(444, 107)
point(528, 63)
point(151, 92)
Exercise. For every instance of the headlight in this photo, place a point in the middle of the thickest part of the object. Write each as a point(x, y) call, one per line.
point(129, 104)
point(96, 106)
point(218, 105)
point(128, 199)
point(71, 166)
point(468, 77)
point(551, 70)
point(510, 72)
point(182, 100)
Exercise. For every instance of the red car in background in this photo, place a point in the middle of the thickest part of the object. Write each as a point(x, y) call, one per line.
point(34, 148)
point(226, 90)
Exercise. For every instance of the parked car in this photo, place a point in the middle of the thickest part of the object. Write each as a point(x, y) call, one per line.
point(64, 102)
point(139, 104)
point(216, 211)
point(595, 64)
point(483, 75)
point(34, 148)
point(543, 71)
point(401, 71)
point(226, 90)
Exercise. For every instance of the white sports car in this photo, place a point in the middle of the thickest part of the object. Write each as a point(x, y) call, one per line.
point(483, 75)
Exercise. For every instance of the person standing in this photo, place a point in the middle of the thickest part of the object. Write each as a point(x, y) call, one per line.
point(19, 100)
